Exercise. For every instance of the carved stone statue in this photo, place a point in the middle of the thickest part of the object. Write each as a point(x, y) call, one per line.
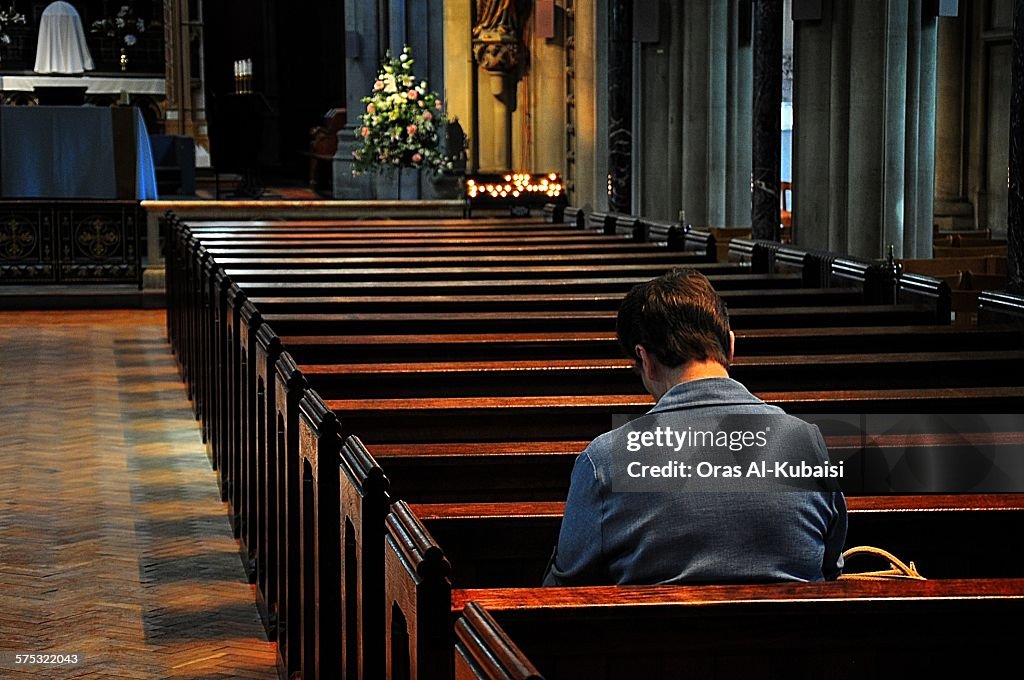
point(496, 35)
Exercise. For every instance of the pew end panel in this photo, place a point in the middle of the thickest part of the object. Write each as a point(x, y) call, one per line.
point(236, 412)
point(417, 601)
point(291, 386)
point(364, 504)
point(926, 290)
point(875, 279)
point(602, 222)
point(999, 308)
point(267, 352)
point(554, 213)
point(483, 651)
point(319, 540)
point(575, 217)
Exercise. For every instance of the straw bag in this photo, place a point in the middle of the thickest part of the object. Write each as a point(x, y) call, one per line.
point(897, 569)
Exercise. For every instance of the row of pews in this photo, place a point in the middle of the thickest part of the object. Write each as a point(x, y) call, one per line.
point(393, 409)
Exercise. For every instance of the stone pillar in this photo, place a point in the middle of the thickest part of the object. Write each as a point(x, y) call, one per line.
point(767, 126)
point(953, 209)
point(588, 185)
point(695, 94)
point(498, 51)
point(863, 150)
point(363, 52)
point(1015, 226)
point(918, 234)
point(620, 109)
point(177, 68)
point(814, 89)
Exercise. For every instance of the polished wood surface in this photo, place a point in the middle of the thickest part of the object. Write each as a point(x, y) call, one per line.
point(113, 542)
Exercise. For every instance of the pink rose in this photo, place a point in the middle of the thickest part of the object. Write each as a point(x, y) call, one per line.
point(366, 132)
point(438, 104)
point(378, 85)
point(416, 158)
point(411, 130)
point(370, 108)
point(427, 115)
point(413, 94)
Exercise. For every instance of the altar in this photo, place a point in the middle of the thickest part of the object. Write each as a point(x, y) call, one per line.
point(75, 152)
point(71, 178)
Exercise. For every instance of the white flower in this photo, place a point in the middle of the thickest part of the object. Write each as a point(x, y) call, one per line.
point(5, 39)
point(129, 40)
point(140, 25)
point(404, 57)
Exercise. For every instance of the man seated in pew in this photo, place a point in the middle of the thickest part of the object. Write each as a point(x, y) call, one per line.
point(704, 513)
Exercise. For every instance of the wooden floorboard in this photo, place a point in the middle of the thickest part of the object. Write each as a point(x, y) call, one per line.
point(114, 544)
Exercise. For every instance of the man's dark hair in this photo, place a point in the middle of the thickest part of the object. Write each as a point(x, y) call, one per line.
point(677, 317)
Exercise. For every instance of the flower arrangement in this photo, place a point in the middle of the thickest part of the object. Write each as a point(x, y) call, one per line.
point(9, 17)
point(400, 126)
point(124, 26)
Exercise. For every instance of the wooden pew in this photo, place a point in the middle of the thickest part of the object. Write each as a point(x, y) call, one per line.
point(266, 377)
point(407, 303)
point(617, 376)
point(777, 631)
point(425, 473)
point(373, 323)
point(314, 349)
point(508, 544)
point(532, 419)
point(420, 605)
point(224, 359)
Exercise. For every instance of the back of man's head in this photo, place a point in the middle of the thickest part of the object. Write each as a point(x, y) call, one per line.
point(677, 317)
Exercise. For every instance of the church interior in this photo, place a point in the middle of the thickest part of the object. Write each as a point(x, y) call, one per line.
point(308, 308)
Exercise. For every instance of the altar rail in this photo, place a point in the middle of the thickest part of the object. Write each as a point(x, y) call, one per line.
point(48, 241)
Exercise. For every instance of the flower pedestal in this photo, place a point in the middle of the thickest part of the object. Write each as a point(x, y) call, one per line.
point(400, 184)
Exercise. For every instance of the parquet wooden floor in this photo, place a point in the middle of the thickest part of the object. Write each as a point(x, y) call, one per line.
point(114, 544)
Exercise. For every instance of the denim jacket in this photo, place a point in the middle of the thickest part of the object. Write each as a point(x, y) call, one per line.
point(698, 536)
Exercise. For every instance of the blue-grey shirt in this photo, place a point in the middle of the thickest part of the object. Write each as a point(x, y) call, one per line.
point(695, 536)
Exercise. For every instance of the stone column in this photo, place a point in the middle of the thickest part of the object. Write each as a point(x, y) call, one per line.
point(953, 209)
point(620, 109)
point(497, 50)
point(363, 52)
point(814, 90)
point(767, 125)
point(177, 68)
point(864, 150)
point(1015, 226)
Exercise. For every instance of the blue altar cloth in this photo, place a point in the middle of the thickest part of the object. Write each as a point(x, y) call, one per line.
point(75, 152)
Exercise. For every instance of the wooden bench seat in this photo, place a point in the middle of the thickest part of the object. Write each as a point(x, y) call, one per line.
point(508, 544)
point(540, 471)
point(472, 302)
point(425, 471)
point(487, 322)
point(271, 288)
point(617, 376)
point(428, 247)
point(932, 628)
point(271, 261)
point(421, 604)
point(320, 424)
point(555, 345)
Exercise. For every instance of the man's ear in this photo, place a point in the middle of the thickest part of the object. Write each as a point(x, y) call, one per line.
point(732, 345)
point(646, 362)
